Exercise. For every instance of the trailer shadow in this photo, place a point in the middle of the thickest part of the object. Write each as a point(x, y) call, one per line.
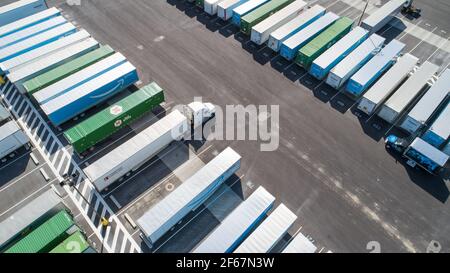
point(190, 9)
point(372, 126)
point(229, 30)
point(17, 167)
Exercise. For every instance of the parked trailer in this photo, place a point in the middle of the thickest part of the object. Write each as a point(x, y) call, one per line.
point(45, 237)
point(11, 138)
point(426, 156)
point(90, 94)
point(4, 114)
point(260, 32)
point(105, 123)
point(34, 68)
point(63, 71)
point(428, 104)
point(236, 226)
point(270, 232)
point(225, 8)
point(28, 217)
point(20, 9)
point(383, 15)
point(405, 95)
point(253, 18)
point(390, 81)
point(332, 56)
point(76, 243)
point(246, 8)
point(132, 154)
point(29, 21)
point(43, 51)
point(79, 78)
point(286, 31)
point(374, 68)
point(290, 46)
point(439, 131)
point(210, 6)
point(31, 31)
point(300, 244)
point(339, 75)
point(308, 53)
point(191, 194)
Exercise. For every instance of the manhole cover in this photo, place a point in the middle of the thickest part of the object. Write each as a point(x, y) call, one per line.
point(169, 187)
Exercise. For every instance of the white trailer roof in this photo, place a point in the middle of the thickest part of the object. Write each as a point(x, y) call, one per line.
point(381, 13)
point(41, 64)
point(329, 56)
point(412, 87)
point(159, 219)
point(369, 46)
point(269, 233)
point(11, 51)
point(131, 147)
point(430, 151)
point(16, 5)
point(374, 65)
point(441, 126)
point(4, 114)
point(17, 62)
point(8, 129)
point(279, 16)
point(248, 6)
point(80, 77)
point(28, 21)
point(86, 88)
point(392, 78)
point(298, 21)
point(31, 31)
point(228, 3)
point(432, 99)
point(226, 235)
point(311, 30)
point(300, 244)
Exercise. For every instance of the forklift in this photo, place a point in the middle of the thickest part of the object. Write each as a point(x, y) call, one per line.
point(409, 8)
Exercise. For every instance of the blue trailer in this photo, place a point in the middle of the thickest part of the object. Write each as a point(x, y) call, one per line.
point(90, 94)
point(245, 8)
point(370, 72)
point(439, 131)
point(20, 9)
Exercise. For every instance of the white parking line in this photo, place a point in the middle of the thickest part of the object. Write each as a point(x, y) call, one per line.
point(22, 177)
point(18, 158)
point(423, 39)
point(445, 42)
point(115, 201)
point(413, 28)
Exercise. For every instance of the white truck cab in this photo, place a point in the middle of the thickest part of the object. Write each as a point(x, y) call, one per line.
point(199, 112)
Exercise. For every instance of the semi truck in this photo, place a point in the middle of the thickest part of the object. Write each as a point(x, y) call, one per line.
point(295, 25)
point(11, 139)
point(383, 15)
point(387, 84)
point(190, 195)
point(198, 112)
point(374, 68)
point(20, 9)
point(246, 8)
point(225, 8)
point(210, 6)
point(437, 135)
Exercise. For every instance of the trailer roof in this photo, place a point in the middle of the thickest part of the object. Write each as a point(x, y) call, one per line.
point(430, 151)
point(16, 5)
point(233, 227)
point(381, 13)
point(441, 125)
point(8, 129)
point(29, 21)
point(248, 6)
point(279, 16)
point(4, 114)
point(264, 238)
point(228, 3)
point(300, 244)
point(264, 9)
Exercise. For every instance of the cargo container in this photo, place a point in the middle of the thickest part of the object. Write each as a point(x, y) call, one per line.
point(90, 94)
point(387, 84)
point(105, 123)
point(339, 75)
point(308, 53)
point(251, 19)
point(20, 9)
point(135, 152)
point(190, 195)
point(43, 51)
point(34, 68)
point(406, 94)
point(11, 138)
point(76, 243)
point(61, 72)
point(31, 31)
point(45, 237)
point(210, 6)
point(300, 244)
point(238, 224)
point(260, 32)
point(332, 56)
point(225, 8)
point(428, 104)
point(4, 114)
point(246, 8)
point(439, 131)
point(29, 217)
point(374, 68)
point(270, 232)
point(295, 25)
point(289, 48)
point(79, 78)
point(426, 156)
point(383, 15)
point(36, 41)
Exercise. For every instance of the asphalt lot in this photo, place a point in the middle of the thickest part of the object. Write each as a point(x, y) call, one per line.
point(331, 167)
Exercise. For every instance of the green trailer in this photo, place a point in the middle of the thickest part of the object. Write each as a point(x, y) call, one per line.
point(308, 53)
point(45, 237)
point(76, 243)
point(100, 126)
point(253, 18)
point(40, 82)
